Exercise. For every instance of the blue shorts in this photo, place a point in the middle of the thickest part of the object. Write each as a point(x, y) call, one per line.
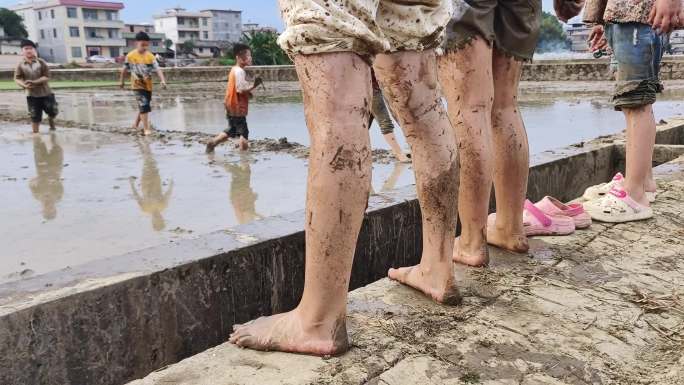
point(637, 51)
point(144, 99)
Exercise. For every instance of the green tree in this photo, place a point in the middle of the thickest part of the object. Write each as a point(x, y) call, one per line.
point(265, 48)
point(187, 47)
point(168, 43)
point(12, 23)
point(552, 37)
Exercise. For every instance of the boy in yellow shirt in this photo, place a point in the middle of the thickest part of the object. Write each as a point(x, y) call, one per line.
point(141, 63)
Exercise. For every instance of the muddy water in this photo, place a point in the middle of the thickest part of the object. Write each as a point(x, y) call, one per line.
point(556, 114)
point(77, 196)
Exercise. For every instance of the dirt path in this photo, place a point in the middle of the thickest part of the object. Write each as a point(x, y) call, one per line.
point(604, 306)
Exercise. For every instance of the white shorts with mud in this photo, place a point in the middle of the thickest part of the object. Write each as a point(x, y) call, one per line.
point(366, 27)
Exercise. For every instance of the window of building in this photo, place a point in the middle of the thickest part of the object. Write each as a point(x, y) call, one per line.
point(181, 21)
point(201, 50)
point(54, 32)
point(131, 28)
point(155, 43)
point(42, 34)
point(206, 35)
point(72, 13)
point(40, 15)
point(114, 52)
point(74, 32)
point(111, 15)
point(204, 21)
point(52, 13)
point(76, 52)
point(90, 14)
point(148, 29)
point(113, 34)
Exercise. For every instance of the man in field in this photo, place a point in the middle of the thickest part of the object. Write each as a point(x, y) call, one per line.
point(33, 75)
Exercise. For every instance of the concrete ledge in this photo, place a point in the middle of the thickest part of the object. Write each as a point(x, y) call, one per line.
point(578, 310)
point(121, 318)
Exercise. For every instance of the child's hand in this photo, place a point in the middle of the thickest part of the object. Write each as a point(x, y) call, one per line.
point(258, 81)
point(664, 15)
point(597, 39)
point(163, 84)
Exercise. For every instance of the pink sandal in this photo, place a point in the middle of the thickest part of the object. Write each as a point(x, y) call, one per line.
point(552, 206)
point(537, 222)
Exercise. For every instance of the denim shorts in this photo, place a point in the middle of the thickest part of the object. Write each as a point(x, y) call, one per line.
point(144, 99)
point(637, 52)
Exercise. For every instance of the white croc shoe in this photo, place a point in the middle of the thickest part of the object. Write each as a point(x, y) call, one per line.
point(618, 207)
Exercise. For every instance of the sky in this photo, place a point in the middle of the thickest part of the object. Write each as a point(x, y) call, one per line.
point(264, 12)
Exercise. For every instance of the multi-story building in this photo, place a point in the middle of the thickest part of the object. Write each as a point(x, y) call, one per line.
point(156, 39)
point(73, 30)
point(226, 24)
point(180, 25)
point(255, 27)
point(578, 33)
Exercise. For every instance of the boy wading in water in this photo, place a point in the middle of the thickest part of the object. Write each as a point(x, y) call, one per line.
point(636, 33)
point(332, 44)
point(33, 75)
point(141, 63)
point(238, 93)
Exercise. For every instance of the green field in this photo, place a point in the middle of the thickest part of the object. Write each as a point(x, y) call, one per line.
point(9, 85)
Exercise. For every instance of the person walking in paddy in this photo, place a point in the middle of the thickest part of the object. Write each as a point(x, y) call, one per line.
point(33, 75)
point(238, 93)
point(141, 64)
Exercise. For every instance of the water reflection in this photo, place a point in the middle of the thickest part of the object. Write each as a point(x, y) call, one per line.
point(392, 179)
point(152, 199)
point(47, 187)
point(242, 196)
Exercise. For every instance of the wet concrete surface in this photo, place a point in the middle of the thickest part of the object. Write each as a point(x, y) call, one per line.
point(76, 196)
point(599, 307)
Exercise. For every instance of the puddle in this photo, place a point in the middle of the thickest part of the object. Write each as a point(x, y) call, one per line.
point(76, 196)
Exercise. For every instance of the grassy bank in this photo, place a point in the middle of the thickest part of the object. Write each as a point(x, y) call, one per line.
point(9, 85)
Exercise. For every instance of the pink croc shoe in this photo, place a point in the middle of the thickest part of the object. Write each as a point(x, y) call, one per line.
point(536, 222)
point(552, 206)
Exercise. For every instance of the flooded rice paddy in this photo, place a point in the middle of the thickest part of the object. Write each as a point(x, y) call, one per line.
point(78, 195)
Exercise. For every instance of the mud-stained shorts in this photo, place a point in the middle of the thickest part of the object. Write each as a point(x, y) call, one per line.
point(237, 127)
point(366, 27)
point(39, 104)
point(144, 99)
point(637, 53)
point(512, 26)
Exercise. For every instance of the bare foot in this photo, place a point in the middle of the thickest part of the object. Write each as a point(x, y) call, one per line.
point(244, 144)
point(210, 148)
point(287, 333)
point(147, 132)
point(432, 284)
point(512, 242)
point(477, 259)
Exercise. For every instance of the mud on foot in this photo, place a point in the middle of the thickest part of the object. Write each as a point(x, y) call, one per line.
point(477, 259)
point(288, 333)
point(511, 242)
point(441, 290)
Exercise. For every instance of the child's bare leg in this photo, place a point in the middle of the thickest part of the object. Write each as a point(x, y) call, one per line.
point(243, 143)
point(641, 133)
point(410, 84)
point(218, 139)
point(466, 77)
point(145, 118)
point(511, 156)
point(391, 139)
point(51, 122)
point(136, 123)
point(337, 94)
point(35, 127)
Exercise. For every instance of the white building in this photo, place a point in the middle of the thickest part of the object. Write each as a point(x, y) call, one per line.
point(180, 25)
point(226, 24)
point(578, 33)
point(73, 30)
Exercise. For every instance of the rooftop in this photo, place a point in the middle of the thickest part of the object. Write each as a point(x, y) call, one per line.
point(82, 3)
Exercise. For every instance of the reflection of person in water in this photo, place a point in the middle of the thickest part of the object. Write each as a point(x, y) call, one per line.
point(242, 197)
point(151, 199)
point(47, 186)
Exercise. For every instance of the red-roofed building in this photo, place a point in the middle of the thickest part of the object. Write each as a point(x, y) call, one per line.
point(73, 30)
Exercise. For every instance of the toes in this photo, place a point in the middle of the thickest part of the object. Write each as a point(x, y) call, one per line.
point(400, 275)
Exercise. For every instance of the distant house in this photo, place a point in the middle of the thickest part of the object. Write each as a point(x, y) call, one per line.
point(73, 30)
point(156, 39)
point(226, 24)
point(255, 27)
point(180, 25)
point(578, 33)
point(9, 46)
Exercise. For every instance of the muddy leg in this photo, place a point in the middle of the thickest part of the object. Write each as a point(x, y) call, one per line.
point(218, 139)
point(511, 156)
point(136, 123)
point(337, 94)
point(641, 132)
point(409, 82)
point(145, 119)
point(466, 77)
point(35, 127)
